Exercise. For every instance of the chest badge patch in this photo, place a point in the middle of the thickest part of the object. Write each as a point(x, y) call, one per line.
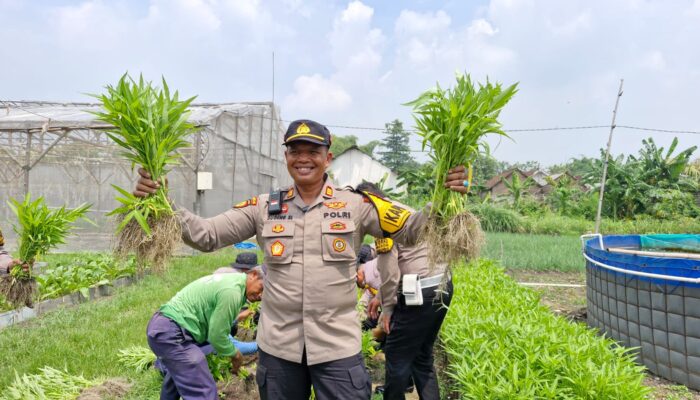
point(339, 245)
point(335, 205)
point(277, 248)
point(338, 226)
point(278, 228)
point(285, 208)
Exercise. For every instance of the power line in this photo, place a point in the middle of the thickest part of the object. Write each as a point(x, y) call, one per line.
point(657, 130)
point(557, 128)
point(10, 104)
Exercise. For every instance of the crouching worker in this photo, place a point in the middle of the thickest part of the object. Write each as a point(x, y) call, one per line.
point(202, 311)
point(369, 281)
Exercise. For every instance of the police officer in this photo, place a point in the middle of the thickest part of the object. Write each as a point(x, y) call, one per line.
point(309, 334)
point(411, 329)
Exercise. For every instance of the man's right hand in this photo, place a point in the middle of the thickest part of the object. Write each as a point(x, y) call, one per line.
point(145, 186)
point(244, 314)
point(236, 362)
point(25, 266)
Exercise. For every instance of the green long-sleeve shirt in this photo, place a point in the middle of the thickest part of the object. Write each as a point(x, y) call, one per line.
point(208, 307)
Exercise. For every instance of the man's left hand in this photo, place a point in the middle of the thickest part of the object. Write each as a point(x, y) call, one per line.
point(373, 308)
point(456, 178)
point(384, 322)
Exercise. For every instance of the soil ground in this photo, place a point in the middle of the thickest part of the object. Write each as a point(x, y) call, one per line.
point(571, 302)
point(108, 390)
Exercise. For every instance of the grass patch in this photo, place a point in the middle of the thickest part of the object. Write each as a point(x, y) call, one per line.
point(534, 252)
point(85, 340)
point(502, 344)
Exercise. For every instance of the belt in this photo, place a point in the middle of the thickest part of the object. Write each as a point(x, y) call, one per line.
point(431, 281)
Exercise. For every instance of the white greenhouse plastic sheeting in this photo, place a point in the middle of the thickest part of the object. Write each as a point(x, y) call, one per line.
point(240, 144)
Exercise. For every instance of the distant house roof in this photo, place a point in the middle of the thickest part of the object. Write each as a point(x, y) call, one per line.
point(504, 175)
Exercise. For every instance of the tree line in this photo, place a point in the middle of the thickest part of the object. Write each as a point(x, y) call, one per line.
point(656, 182)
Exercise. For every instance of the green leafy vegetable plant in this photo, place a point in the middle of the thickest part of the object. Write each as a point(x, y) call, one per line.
point(150, 125)
point(503, 344)
point(453, 123)
point(82, 273)
point(137, 358)
point(38, 229)
point(49, 384)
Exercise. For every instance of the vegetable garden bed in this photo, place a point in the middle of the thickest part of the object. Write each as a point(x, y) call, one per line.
point(502, 343)
point(92, 326)
point(80, 279)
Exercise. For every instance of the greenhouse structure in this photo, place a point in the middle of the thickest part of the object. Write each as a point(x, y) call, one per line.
point(60, 151)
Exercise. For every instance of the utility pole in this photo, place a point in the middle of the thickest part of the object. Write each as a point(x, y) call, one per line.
point(198, 193)
point(607, 156)
point(27, 162)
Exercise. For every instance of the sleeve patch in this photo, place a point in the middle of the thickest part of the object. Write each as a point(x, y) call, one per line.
point(391, 217)
point(383, 245)
point(246, 203)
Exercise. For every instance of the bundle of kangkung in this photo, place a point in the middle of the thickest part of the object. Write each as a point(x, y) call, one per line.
point(150, 124)
point(38, 229)
point(453, 123)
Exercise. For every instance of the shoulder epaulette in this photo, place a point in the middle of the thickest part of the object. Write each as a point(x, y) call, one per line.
point(392, 217)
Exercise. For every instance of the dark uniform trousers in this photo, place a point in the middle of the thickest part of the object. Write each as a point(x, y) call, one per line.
point(409, 346)
point(344, 379)
point(187, 373)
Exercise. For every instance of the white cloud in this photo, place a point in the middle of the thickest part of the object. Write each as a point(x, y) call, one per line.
point(317, 94)
point(246, 9)
point(695, 9)
point(299, 7)
point(198, 15)
point(428, 41)
point(355, 64)
point(571, 26)
point(654, 60)
point(357, 12)
point(411, 23)
point(356, 47)
point(77, 26)
point(481, 27)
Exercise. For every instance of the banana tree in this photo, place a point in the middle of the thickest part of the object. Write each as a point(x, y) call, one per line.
point(517, 188)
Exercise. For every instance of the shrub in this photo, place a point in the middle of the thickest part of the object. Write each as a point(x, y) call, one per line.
point(502, 344)
point(497, 219)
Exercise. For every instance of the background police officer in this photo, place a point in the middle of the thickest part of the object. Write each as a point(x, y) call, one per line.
point(411, 329)
point(309, 334)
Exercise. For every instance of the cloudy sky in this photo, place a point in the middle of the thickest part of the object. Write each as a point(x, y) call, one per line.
point(354, 63)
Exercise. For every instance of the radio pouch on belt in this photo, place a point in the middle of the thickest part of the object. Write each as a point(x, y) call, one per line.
point(412, 291)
